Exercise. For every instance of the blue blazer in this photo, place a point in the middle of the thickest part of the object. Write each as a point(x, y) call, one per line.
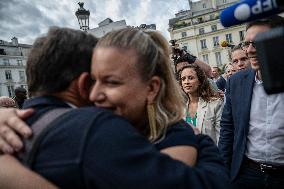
point(235, 119)
point(221, 83)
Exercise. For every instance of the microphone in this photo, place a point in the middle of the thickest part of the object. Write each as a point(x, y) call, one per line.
point(225, 43)
point(248, 10)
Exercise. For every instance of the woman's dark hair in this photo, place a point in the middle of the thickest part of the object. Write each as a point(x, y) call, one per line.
point(205, 91)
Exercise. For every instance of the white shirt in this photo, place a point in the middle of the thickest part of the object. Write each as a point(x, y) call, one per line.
point(265, 140)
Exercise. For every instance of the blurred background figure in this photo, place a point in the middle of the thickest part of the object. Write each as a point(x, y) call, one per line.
point(20, 96)
point(204, 106)
point(216, 73)
point(7, 102)
point(239, 58)
point(229, 71)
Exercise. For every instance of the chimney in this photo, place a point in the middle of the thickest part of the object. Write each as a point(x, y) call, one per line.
point(15, 41)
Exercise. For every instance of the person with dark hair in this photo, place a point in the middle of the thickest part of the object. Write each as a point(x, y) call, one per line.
point(239, 61)
point(204, 107)
point(252, 124)
point(239, 58)
point(187, 59)
point(20, 96)
point(216, 73)
point(93, 148)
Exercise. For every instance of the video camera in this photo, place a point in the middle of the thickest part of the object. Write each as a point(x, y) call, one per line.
point(269, 44)
point(176, 53)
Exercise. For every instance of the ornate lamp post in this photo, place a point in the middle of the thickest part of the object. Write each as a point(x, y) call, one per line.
point(83, 17)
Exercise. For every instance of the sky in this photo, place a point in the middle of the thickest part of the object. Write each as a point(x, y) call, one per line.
point(28, 19)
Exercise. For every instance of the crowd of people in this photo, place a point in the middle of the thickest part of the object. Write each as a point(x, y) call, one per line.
point(109, 113)
point(17, 101)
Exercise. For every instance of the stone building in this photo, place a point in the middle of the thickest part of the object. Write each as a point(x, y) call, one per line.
point(199, 31)
point(106, 26)
point(13, 57)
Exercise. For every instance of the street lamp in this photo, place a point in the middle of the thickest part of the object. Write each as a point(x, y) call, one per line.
point(83, 17)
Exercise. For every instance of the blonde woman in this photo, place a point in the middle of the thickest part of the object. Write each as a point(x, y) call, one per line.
point(133, 78)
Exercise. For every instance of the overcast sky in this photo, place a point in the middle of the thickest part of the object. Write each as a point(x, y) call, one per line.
point(28, 19)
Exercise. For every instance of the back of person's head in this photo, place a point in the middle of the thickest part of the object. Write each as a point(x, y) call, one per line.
point(205, 91)
point(272, 22)
point(7, 102)
point(20, 91)
point(152, 52)
point(57, 59)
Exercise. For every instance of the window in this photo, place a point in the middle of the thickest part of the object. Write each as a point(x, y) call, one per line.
point(218, 58)
point(20, 62)
point(6, 62)
point(201, 31)
point(203, 44)
point(214, 27)
point(185, 46)
point(199, 20)
point(2, 52)
point(224, 1)
point(242, 35)
point(10, 89)
point(229, 38)
point(22, 75)
point(215, 41)
point(8, 74)
point(204, 5)
point(183, 34)
point(205, 58)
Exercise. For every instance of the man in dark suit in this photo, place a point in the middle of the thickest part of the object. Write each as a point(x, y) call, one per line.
point(91, 147)
point(240, 61)
point(252, 125)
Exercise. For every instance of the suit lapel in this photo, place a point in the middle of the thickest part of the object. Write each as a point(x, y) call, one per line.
point(246, 90)
point(201, 109)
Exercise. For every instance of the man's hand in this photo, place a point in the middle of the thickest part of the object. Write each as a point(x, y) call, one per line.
point(12, 127)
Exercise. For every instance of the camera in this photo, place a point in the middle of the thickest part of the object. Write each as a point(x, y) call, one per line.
point(270, 55)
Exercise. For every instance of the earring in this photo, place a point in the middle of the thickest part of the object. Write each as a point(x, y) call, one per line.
point(152, 120)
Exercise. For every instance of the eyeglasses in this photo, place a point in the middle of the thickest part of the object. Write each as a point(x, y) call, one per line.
point(245, 45)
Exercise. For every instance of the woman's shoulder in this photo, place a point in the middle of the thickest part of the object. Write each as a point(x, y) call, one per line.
point(216, 100)
point(177, 134)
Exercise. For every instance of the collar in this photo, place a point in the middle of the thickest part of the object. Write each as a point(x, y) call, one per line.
point(46, 101)
point(71, 105)
point(257, 81)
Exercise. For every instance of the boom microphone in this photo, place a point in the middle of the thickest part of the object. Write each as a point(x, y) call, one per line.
point(248, 10)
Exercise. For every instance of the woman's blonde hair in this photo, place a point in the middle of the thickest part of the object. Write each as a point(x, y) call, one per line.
point(152, 53)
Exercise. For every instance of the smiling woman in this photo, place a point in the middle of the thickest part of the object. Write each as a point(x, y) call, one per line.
point(133, 78)
point(204, 107)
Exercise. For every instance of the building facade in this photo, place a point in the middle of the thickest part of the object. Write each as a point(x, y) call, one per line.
point(106, 26)
point(13, 58)
point(147, 27)
point(200, 32)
